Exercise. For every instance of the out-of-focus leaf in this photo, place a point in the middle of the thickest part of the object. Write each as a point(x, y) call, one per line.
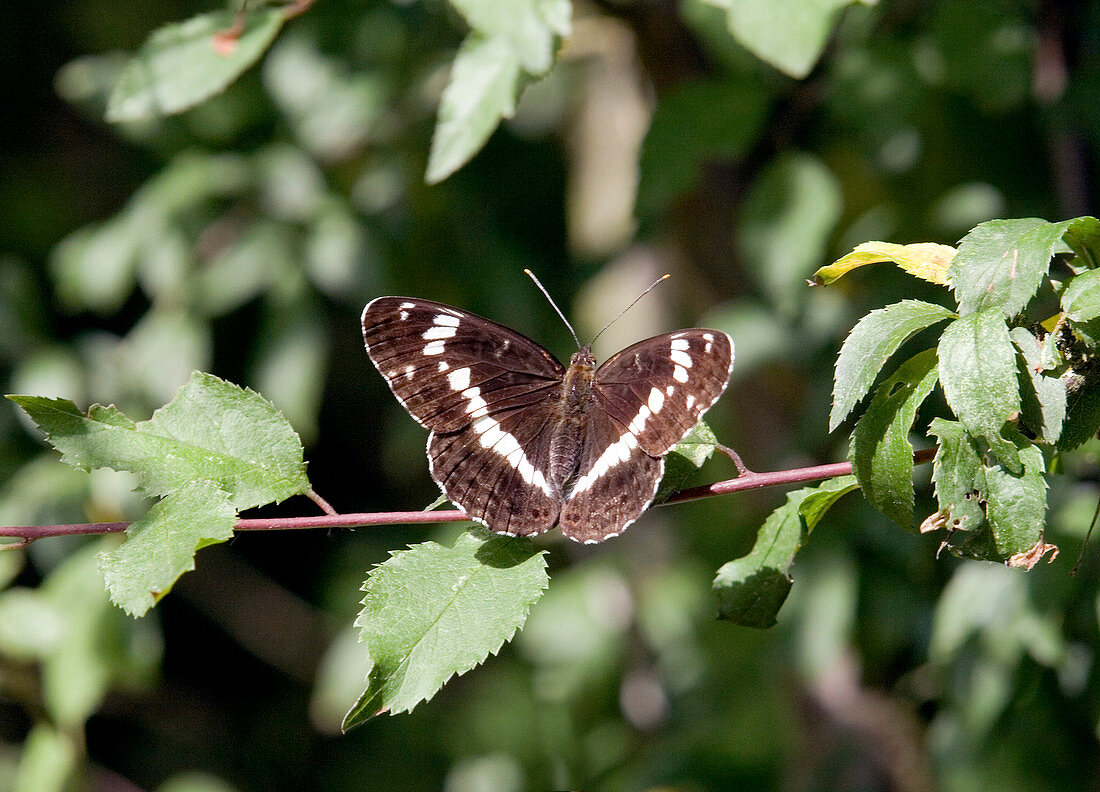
point(196, 782)
point(685, 458)
point(161, 545)
point(48, 760)
point(488, 73)
point(211, 430)
point(1043, 397)
point(1001, 263)
point(793, 208)
point(100, 648)
point(261, 256)
point(433, 611)
point(872, 341)
point(751, 589)
point(339, 680)
point(788, 34)
point(94, 268)
point(30, 626)
point(978, 375)
point(483, 89)
point(184, 63)
point(698, 122)
point(881, 454)
point(925, 260)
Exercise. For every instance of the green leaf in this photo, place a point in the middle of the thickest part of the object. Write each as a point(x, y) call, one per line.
point(100, 648)
point(881, 454)
point(432, 611)
point(48, 761)
point(185, 63)
point(211, 430)
point(1001, 263)
point(751, 589)
point(530, 28)
point(788, 34)
point(685, 458)
point(698, 122)
point(1043, 397)
point(483, 89)
point(1082, 409)
point(507, 42)
point(161, 545)
point(978, 375)
point(1016, 503)
point(1083, 238)
point(958, 477)
point(1081, 304)
point(872, 341)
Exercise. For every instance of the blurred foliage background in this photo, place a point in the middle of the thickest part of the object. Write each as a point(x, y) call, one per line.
point(243, 238)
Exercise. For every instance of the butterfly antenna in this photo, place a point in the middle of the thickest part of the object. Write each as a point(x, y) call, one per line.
point(652, 286)
point(550, 299)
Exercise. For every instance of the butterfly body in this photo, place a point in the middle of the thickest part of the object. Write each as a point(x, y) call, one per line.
point(521, 442)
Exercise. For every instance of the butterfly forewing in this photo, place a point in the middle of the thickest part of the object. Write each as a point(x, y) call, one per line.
point(449, 367)
point(658, 389)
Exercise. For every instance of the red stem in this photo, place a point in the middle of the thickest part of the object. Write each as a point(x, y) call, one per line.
point(746, 481)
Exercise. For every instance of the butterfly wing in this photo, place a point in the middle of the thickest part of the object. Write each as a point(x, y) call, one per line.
point(486, 393)
point(616, 482)
point(658, 389)
point(449, 367)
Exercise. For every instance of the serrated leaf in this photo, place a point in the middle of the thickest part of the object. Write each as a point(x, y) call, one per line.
point(1083, 238)
point(1001, 263)
point(1016, 503)
point(211, 430)
point(925, 260)
point(1043, 397)
point(751, 589)
point(788, 34)
point(958, 477)
point(881, 454)
point(1081, 304)
point(483, 88)
point(685, 458)
point(872, 341)
point(161, 545)
point(978, 375)
point(185, 63)
point(432, 611)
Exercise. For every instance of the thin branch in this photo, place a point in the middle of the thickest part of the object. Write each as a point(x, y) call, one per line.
point(748, 480)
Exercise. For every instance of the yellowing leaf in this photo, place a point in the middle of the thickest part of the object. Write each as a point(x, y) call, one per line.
point(925, 260)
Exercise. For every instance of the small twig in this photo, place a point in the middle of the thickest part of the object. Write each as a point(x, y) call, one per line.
point(735, 457)
point(324, 504)
point(746, 481)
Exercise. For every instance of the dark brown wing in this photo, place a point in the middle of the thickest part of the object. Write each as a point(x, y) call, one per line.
point(494, 469)
point(615, 483)
point(658, 389)
point(450, 367)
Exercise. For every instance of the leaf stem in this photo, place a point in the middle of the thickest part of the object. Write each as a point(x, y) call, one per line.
point(746, 481)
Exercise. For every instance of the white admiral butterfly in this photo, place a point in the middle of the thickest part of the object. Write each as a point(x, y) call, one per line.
point(522, 443)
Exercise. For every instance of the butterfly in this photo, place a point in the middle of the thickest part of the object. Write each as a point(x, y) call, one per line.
point(522, 443)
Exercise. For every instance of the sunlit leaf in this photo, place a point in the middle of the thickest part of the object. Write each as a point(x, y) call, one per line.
point(978, 375)
point(161, 545)
point(925, 260)
point(872, 341)
point(432, 612)
point(685, 458)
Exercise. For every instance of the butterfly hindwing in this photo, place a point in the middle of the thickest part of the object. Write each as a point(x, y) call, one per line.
point(449, 367)
point(494, 469)
point(615, 482)
point(659, 388)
